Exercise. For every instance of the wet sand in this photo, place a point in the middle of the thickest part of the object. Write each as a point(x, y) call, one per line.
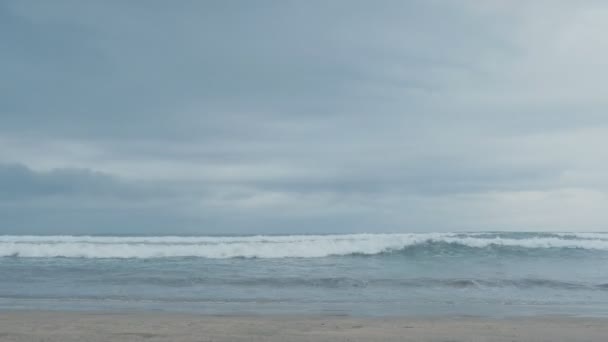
point(28, 326)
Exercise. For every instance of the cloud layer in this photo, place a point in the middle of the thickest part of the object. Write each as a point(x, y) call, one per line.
point(309, 117)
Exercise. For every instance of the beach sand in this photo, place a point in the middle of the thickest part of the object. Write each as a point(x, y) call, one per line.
point(22, 326)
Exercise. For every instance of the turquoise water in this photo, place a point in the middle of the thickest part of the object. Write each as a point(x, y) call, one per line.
point(495, 274)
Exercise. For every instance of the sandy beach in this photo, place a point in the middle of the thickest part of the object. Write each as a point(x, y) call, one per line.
point(22, 326)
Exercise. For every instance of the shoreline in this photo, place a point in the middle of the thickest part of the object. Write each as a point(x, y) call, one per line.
point(94, 326)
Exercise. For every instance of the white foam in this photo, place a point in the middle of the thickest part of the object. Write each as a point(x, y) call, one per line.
point(303, 246)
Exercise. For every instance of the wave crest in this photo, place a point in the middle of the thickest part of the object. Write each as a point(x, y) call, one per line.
point(302, 246)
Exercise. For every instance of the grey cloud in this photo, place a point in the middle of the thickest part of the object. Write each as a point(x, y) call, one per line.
point(428, 178)
point(82, 201)
point(115, 68)
point(20, 182)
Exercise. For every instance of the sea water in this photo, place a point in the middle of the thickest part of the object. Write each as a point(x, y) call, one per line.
point(495, 274)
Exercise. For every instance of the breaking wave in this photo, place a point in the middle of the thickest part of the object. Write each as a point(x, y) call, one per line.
point(300, 246)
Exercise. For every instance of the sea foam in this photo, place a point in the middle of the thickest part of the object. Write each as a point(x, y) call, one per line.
point(293, 246)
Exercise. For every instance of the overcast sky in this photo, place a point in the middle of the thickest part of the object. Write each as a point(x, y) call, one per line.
point(211, 117)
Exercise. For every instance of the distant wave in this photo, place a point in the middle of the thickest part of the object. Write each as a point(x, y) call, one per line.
point(300, 246)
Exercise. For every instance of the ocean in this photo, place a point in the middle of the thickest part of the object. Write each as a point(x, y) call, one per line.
point(487, 274)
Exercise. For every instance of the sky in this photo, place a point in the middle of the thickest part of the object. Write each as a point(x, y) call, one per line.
point(283, 117)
